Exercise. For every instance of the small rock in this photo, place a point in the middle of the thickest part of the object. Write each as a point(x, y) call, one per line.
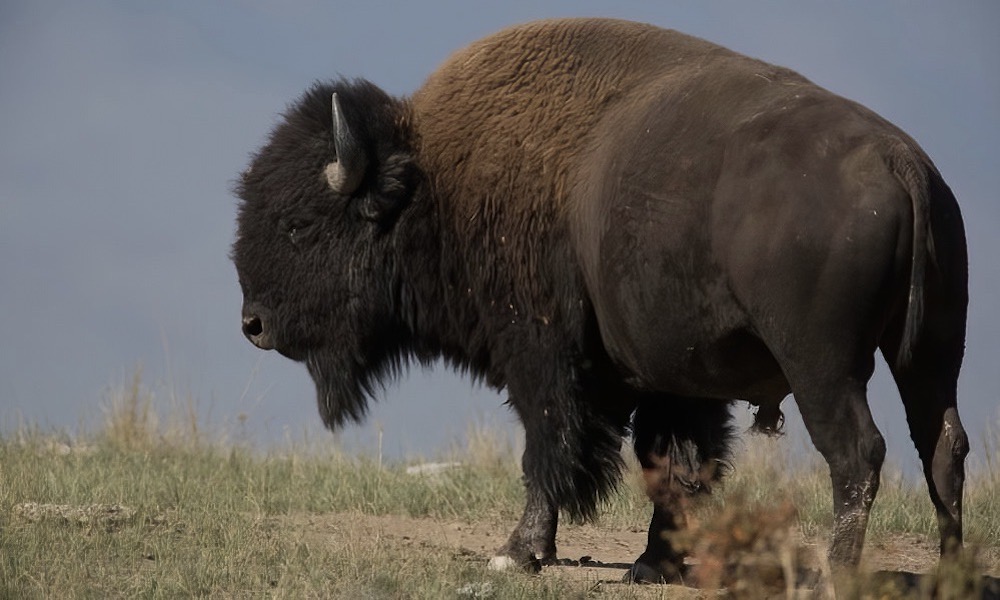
point(502, 563)
point(476, 590)
point(431, 468)
point(109, 515)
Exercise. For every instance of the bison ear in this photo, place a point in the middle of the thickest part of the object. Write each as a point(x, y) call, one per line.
point(393, 190)
point(345, 174)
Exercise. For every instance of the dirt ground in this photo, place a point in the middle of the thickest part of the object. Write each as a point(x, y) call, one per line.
point(600, 557)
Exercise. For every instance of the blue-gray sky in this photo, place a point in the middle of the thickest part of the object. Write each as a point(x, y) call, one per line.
point(123, 125)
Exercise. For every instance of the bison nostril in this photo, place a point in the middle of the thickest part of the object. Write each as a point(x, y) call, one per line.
point(252, 326)
point(256, 332)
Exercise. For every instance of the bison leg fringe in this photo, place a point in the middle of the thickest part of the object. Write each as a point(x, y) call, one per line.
point(573, 455)
point(693, 436)
point(683, 445)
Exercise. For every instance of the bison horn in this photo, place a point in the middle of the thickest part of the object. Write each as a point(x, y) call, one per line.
point(345, 174)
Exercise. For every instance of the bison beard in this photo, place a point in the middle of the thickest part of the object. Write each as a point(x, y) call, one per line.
point(346, 376)
point(340, 397)
point(627, 229)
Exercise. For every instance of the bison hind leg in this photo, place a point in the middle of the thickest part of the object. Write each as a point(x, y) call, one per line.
point(683, 447)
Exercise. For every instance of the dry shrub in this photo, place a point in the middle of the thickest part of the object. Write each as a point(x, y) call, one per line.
point(956, 577)
point(132, 423)
point(752, 550)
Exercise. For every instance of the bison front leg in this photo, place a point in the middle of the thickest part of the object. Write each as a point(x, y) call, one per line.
point(681, 444)
point(572, 456)
point(533, 542)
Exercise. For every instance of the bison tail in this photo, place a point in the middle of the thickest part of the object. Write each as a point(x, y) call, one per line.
point(911, 172)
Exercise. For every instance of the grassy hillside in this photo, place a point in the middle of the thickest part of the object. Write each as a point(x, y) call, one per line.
point(154, 507)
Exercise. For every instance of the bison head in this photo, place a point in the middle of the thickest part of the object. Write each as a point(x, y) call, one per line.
point(315, 240)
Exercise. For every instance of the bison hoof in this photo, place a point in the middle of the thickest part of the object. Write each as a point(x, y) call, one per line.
point(643, 573)
point(664, 571)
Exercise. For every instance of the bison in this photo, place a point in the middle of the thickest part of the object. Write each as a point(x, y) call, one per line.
point(627, 229)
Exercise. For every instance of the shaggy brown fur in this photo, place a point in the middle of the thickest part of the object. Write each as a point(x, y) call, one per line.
point(522, 107)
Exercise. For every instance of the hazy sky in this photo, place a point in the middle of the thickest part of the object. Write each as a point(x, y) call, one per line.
point(123, 125)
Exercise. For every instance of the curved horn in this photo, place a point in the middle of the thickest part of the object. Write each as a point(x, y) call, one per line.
point(345, 174)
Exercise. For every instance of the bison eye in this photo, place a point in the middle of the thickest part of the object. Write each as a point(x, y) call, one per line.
point(295, 229)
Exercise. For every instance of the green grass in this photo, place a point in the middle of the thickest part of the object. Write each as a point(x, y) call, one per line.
point(221, 520)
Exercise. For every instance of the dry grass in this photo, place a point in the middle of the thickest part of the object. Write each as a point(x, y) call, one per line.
point(154, 505)
point(132, 421)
